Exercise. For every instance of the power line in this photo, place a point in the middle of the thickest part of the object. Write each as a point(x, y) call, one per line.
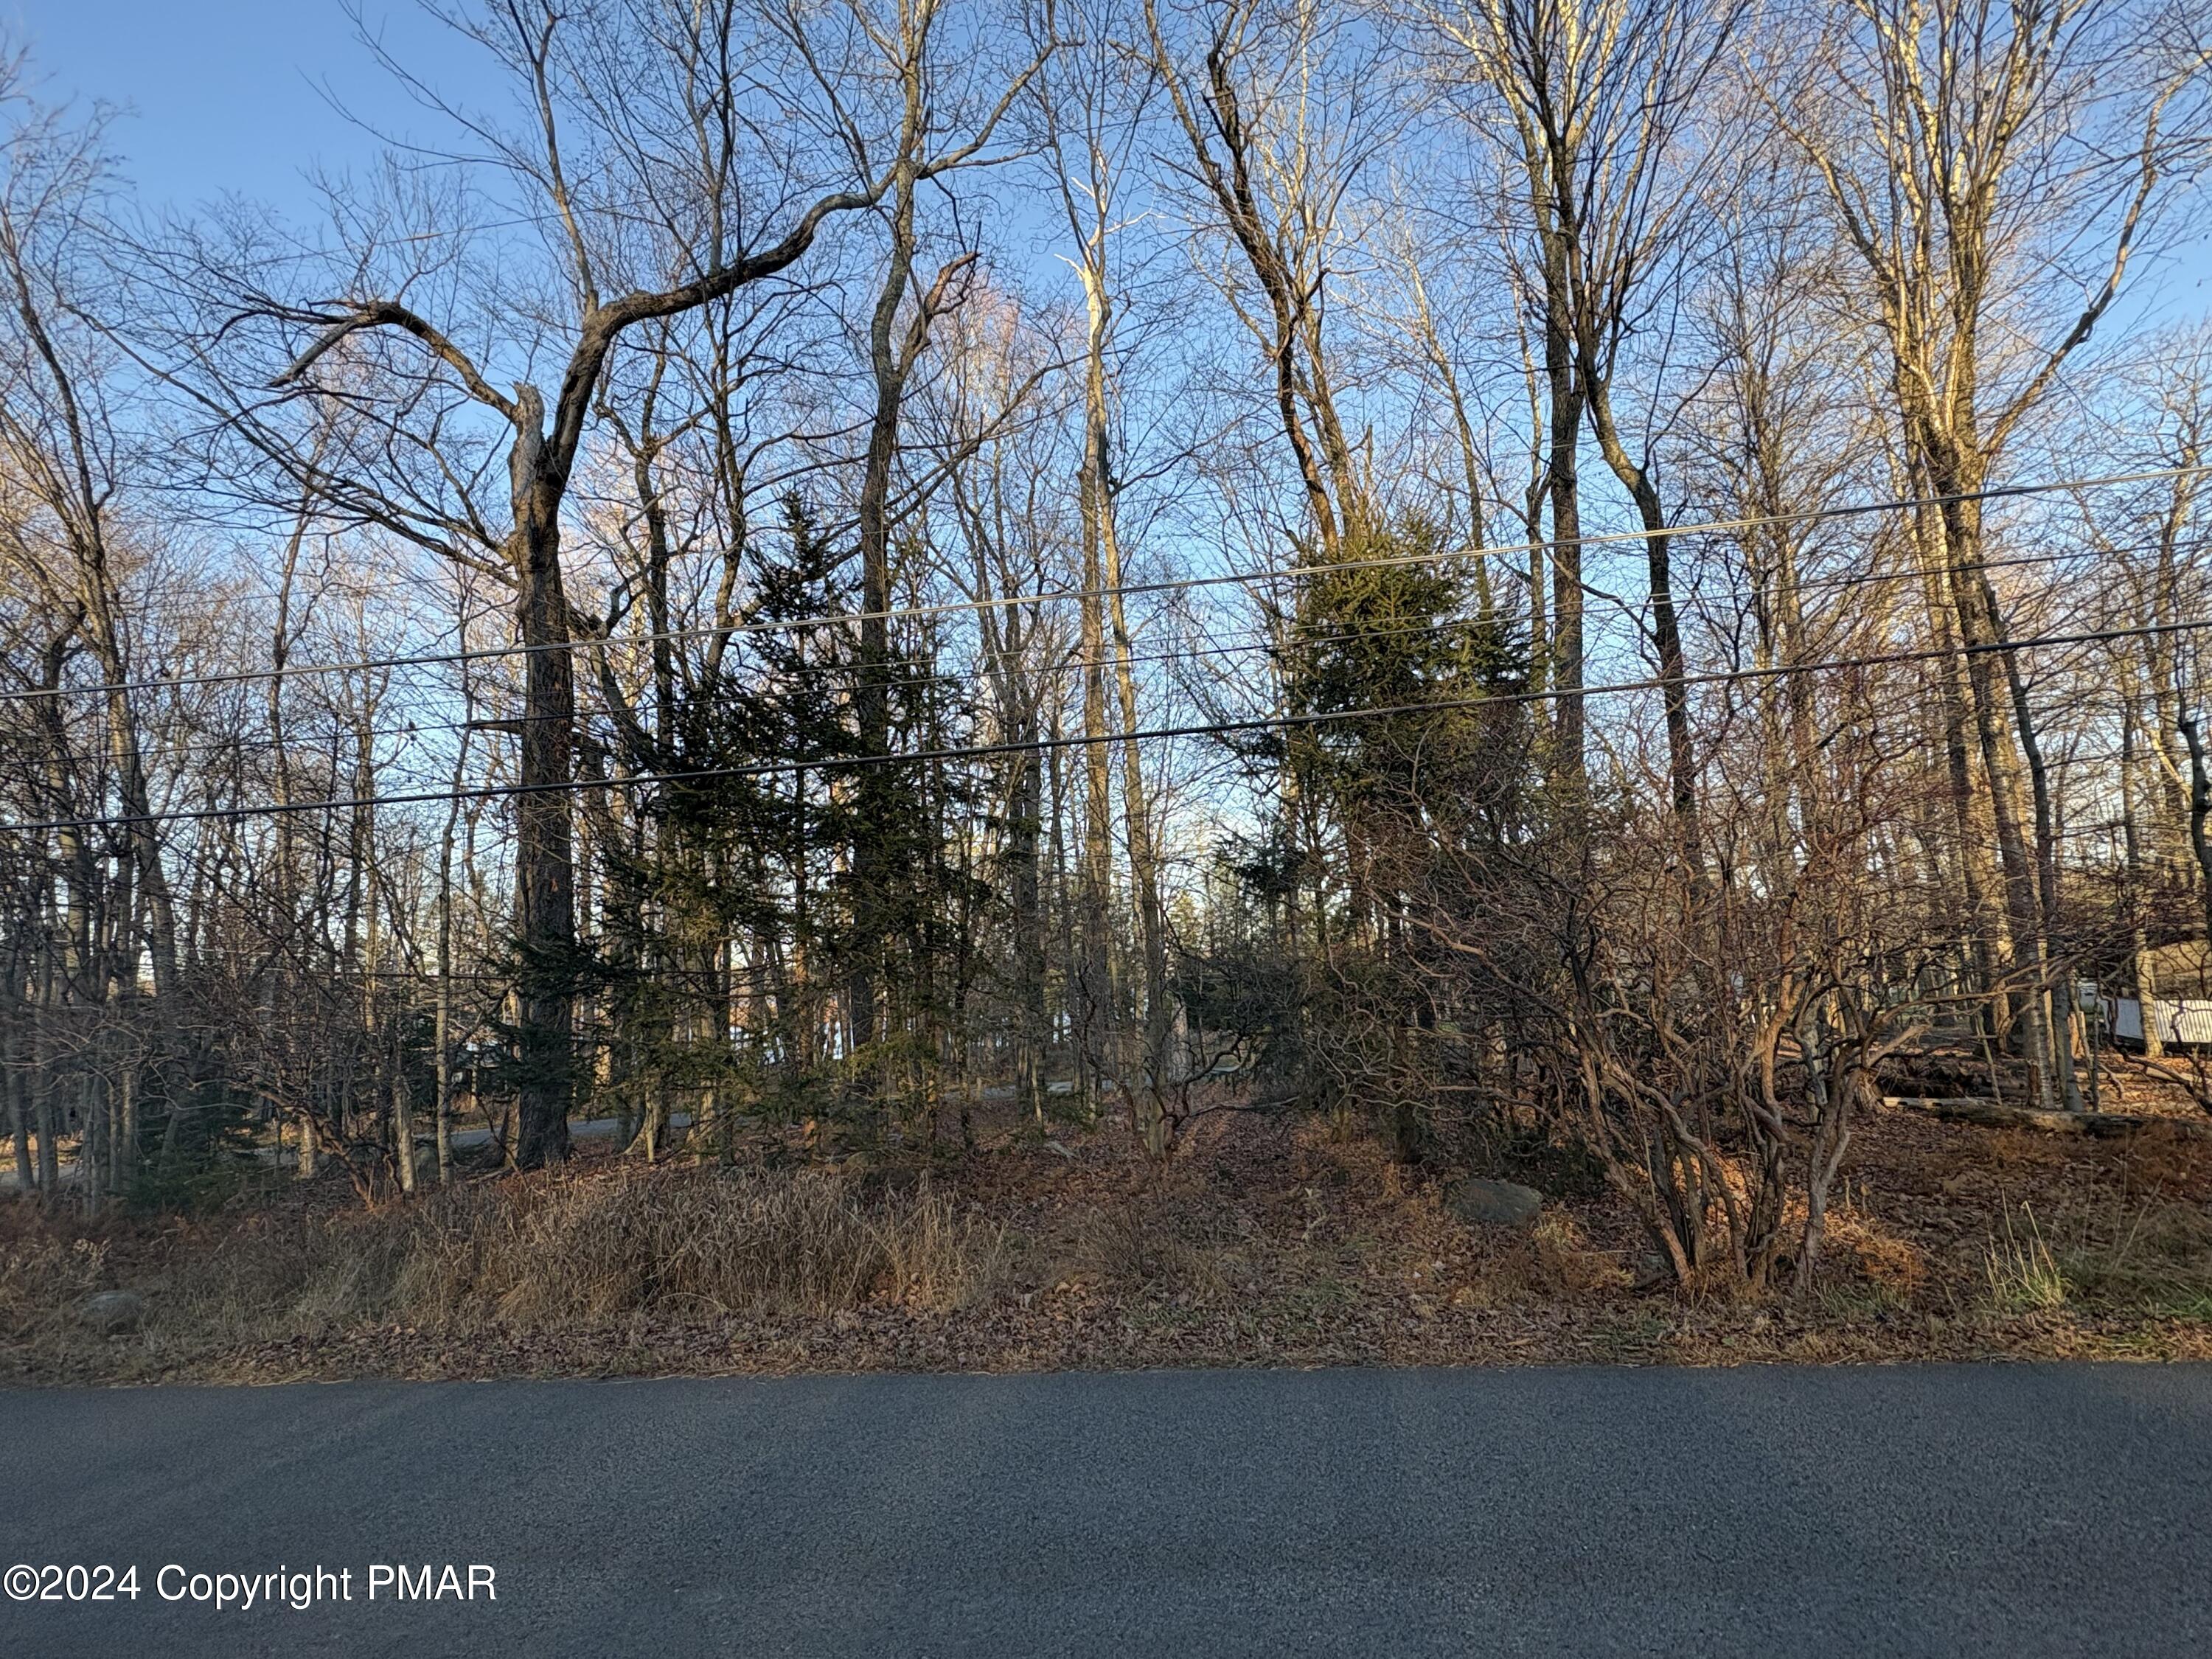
point(1126, 589)
point(318, 740)
point(1039, 746)
point(1803, 584)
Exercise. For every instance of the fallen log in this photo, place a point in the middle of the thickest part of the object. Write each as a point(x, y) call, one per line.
point(1993, 1115)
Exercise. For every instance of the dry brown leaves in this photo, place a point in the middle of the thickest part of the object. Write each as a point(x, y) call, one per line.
point(1263, 1243)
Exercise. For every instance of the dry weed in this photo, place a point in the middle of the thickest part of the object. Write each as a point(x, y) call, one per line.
point(2023, 1275)
point(41, 1280)
point(1566, 1260)
point(594, 1250)
point(549, 1255)
point(2159, 1161)
point(2159, 1262)
point(1133, 1244)
point(1880, 1257)
point(1554, 1261)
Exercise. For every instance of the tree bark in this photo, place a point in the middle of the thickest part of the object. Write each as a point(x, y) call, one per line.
point(545, 832)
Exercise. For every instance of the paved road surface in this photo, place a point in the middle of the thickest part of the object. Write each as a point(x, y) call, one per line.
point(1947, 1511)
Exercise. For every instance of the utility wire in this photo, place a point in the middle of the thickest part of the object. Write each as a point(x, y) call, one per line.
point(318, 741)
point(955, 607)
point(1039, 746)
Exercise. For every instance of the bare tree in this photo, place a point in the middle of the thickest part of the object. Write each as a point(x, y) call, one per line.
point(1982, 161)
point(638, 150)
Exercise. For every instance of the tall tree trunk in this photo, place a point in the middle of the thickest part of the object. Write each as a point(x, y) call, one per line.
point(43, 1070)
point(544, 833)
point(1099, 1010)
point(21, 1072)
point(2200, 811)
point(1666, 630)
point(893, 351)
point(2144, 975)
point(403, 1113)
point(1024, 852)
point(442, 1019)
point(1980, 638)
point(871, 868)
point(1102, 540)
point(1563, 486)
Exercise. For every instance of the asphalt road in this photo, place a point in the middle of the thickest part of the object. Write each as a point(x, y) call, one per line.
point(2013, 1510)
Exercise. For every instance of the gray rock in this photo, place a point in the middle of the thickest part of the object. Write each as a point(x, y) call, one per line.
point(112, 1312)
point(1496, 1203)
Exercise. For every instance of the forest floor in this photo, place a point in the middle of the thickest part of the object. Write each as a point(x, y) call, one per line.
point(1268, 1240)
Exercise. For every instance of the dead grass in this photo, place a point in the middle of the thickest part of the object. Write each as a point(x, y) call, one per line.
point(1267, 1241)
point(2023, 1275)
point(1566, 1263)
point(553, 1254)
point(2156, 1261)
point(1554, 1263)
point(42, 1279)
point(592, 1251)
point(1148, 1242)
point(2159, 1262)
point(2165, 1164)
point(1877, 1254)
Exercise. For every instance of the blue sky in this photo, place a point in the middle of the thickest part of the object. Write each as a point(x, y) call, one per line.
point(223, 95)
point(230, 95)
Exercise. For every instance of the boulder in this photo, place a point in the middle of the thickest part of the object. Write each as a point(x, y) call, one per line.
point(1496, 1203)
point(112, 1312)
